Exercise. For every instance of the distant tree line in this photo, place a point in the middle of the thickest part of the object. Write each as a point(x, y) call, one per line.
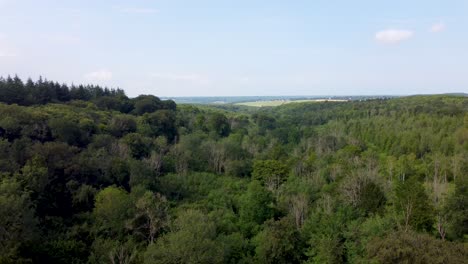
point(14, 91)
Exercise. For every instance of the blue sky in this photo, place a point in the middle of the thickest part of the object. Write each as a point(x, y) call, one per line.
point(203, 48)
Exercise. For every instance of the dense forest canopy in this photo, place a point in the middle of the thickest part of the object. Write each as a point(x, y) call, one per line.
point(88, 175)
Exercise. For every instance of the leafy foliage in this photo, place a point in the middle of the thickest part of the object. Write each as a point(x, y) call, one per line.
point(88, 175)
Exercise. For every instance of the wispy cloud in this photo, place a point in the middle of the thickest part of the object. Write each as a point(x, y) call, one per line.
point(401, 21)
point(244, 79)
point(438, 27)
point(4, 54)
point(4, 2)
point(138, 10)
point(6, 50)
point(62, 39)
point(393, 36)
point(174, 77)
point(99, 76)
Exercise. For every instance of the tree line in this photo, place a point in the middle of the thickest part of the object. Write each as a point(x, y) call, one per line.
point(14, 91)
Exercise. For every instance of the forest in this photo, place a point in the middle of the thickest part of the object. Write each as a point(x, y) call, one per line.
point(89, 175)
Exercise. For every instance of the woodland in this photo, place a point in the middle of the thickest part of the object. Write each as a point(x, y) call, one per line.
point(89, 175)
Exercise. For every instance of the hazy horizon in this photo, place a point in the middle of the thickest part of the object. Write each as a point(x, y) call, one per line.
point(214, 48)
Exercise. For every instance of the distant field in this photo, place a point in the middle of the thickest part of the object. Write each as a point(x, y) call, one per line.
point(282, 102)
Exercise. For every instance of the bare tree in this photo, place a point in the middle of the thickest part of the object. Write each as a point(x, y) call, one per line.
point(353, 186)
point(155, 161)
point(456, 163)
point(151, 217)
point(407, 214)
point(121, 150)
point(217, 157)
point(299, 207)
point(326, 203)
point(122, 255)
point(181, 159)
point(439, 190)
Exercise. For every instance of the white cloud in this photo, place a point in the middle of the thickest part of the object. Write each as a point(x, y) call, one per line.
point(139, 10)
point(393, 36)
point(99, 76)
point(438, 27)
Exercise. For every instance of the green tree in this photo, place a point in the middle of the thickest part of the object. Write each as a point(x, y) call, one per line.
point(67, 131)
point(114, 251)
point(122, 125)
point(270, 172)
point(412, 202)
point(218, 123)
point(35, 175)
point(113, 208)
point(411, 247)
point(278, 242)
point(146, 104)
point(160, 123)
point(457, 210)
point(325, 229)
point(17, 221)
point(256, 206)
point(192, 240)
point(138, 145)
point(12, 91)
point(151, 215)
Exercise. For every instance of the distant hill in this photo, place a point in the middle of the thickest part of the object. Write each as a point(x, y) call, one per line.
point(443, 94)
point(219, 100)
point(457, 94)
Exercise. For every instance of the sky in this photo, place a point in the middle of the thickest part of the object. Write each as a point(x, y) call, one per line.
point(242, 47)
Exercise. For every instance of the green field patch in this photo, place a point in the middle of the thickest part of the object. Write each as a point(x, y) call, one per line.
point(272, 103)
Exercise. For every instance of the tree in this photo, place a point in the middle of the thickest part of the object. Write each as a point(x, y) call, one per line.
point(155, 161)
point(67, 131)
point(17, 221)
point(35, 175)
point(113, 207)
point(413, 203)
point(141, 174)
point(299, 207)
point(270, 172)
point(218, 123)
point(122, 125)
point(456, 210)
point(265, 122)
point(160, 123)
point(278, 242)
point(438, 194)
point(13, 91)
point(151, 215)
point(216, 155)
point(139, 146)
point(146, 104)
point(361, 192)
point(325, 231)
point(255, 207)
point(192, 240)
point(114, 252)
point(411, 247)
